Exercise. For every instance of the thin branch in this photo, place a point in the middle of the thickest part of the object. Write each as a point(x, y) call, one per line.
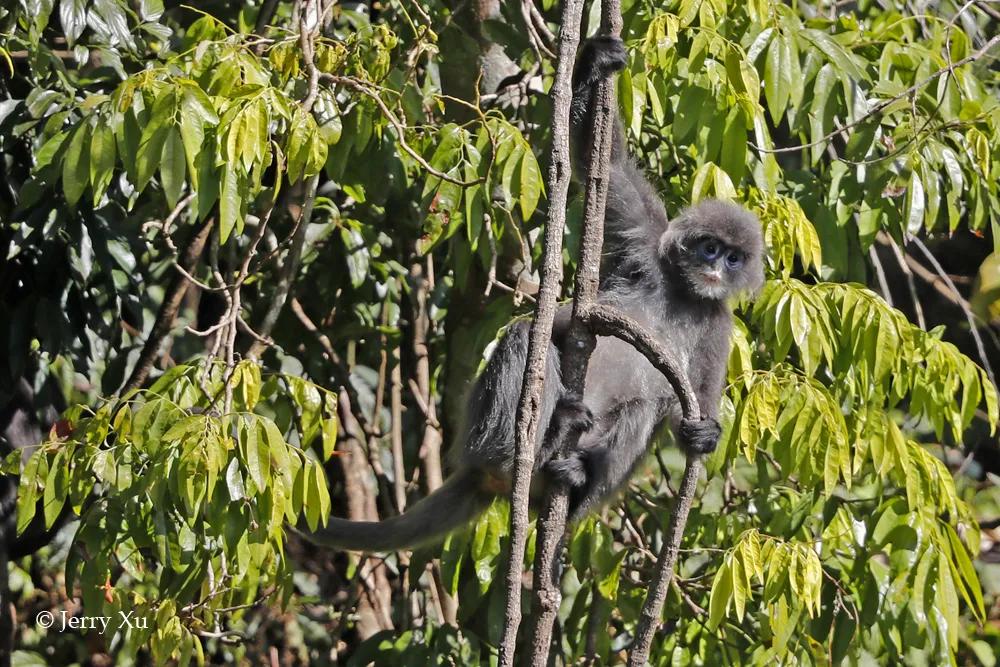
point(652, 608)
point(880, 275)
point(918, 310)
point(309, 25)
point(341, 375)
point(970, 318)
point(883, 105)
point(529, 402)
point(580, 343)
point(168, 309)
point(289, 269)
point(364, 88)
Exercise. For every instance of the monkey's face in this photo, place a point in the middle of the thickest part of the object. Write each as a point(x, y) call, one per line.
point(715, 249)
point(713, 268)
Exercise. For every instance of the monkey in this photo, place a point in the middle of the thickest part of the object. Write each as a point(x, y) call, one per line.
point(674, 277)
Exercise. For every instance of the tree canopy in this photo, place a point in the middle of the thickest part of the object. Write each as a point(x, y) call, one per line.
point(261, 249)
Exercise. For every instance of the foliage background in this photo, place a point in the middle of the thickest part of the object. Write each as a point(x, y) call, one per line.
point(367, 182)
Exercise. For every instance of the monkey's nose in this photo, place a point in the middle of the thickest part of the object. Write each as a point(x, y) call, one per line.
point(714, 275)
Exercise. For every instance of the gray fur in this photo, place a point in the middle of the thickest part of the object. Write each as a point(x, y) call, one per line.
point(660, 273)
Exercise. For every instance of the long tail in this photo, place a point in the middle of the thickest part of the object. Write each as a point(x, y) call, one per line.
point(458, 501)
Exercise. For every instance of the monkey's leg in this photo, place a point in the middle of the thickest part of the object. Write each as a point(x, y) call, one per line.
point(570, 417)
point(596, 472)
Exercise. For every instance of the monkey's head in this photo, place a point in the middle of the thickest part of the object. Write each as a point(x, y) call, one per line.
point(715, 249)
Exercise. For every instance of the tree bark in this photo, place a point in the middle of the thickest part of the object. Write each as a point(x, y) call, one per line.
point(168, 309)
point(580, 342)
point(541, 327)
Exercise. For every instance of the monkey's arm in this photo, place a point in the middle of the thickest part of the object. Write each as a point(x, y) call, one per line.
point(634, 218)
point(707, 373)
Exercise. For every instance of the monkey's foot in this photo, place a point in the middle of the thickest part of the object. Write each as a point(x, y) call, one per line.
point(699, 436)
point(571, 471)
point(573, 414)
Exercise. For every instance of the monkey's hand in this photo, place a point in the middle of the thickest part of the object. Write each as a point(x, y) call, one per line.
point(600, 57)
point(699, 436)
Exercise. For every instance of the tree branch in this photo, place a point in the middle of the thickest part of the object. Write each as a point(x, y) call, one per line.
point(529, 403)
point(366, 89)
point(883, 105)
point(580, 343)
point(168, 309)
point(289, 269)
point(969, 317)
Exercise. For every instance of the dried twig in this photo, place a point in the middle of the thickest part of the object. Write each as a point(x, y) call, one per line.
point(366, 89)
point(289, 269)
point(168, 309)
point(969, 317)
point(904, 266)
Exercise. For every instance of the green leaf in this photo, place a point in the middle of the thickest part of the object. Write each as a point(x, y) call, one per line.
point(530, 183)
point(73, 17)
point(722, 592)
point(915, 203)
point(75, 172)
point(102, 160)
point(734, 145)
point(234, 481)
point(689, 109)
point(230, 201)
point(861, 140)
point(27, 492)
point(153, 135)
point(777, 77)
point(173, 167)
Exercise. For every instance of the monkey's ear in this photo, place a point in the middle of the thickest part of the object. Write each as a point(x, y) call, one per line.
point(672, 242)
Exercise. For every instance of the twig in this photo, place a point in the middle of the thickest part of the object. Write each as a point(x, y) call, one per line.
point(918, 310)
point(529, 402)
point(168, 309)
point(969, 317)
point(541, 49)
point(396, 428)
point(288, 270)
point(652, 608)
point(309, 24)
point(580, 343)
point(880, 275)
point(364, 88)
point(340, 372)
point(881, 106)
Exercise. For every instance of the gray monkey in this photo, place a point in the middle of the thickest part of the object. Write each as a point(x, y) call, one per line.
point(674, 277)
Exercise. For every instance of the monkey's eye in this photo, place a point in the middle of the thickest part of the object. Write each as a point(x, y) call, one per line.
point(734, 260)
point(709, 249)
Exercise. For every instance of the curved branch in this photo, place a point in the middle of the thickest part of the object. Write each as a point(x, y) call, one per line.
point(608, 321)
point(656, 595)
